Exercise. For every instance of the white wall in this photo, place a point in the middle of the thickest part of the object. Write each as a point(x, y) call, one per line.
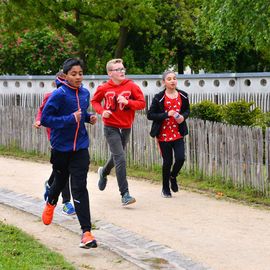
point(192, 83)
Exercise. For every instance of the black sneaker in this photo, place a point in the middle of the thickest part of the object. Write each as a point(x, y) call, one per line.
point(166, 194)
point(102, 182)
point(174, 185)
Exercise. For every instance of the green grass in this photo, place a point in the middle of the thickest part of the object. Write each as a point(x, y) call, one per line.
point(225, 190)
point(208, 186)
point(21, 251)
point(15, 152)
point(215, 188)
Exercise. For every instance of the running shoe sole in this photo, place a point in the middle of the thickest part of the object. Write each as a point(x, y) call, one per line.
point(129, 202)
point(91, 244)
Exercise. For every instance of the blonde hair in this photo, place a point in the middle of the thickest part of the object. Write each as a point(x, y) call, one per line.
point(112, 62)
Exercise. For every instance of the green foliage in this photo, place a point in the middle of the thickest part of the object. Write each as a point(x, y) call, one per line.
point(159, 57)
point(174, 38)
point(267, 119)
point(99, 28)
point(147, 34)
point(150, 35)
point(14, 150)
point(207, 110)
point(242, 113)
point(35, 52)
point(241, 21)
point(20, 251)
point(237, 33)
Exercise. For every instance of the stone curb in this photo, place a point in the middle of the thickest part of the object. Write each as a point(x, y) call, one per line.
point(144, 253)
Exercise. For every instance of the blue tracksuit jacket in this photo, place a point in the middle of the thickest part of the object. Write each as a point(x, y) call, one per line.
point(66, 134)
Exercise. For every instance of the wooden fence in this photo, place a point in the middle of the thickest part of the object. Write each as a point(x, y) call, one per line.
point(261, 100)
point(236, 154)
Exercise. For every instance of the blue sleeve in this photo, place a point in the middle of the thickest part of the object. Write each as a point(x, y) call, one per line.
point(87, 117)
point(51, 114)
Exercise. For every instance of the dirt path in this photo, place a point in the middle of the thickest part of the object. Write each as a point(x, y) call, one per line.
point(64, 242)
point(220, 234)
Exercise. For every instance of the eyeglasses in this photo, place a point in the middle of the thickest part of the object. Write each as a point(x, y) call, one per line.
point(119, 70)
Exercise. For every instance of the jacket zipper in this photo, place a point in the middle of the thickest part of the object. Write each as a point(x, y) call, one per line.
point(78, 124)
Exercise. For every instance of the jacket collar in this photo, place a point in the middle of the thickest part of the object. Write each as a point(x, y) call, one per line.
point(161, 94)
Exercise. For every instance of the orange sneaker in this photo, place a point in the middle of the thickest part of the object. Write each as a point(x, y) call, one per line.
point(47, 215)
point(88, 240)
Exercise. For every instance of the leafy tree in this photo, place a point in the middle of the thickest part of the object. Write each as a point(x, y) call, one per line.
point(176, 38)
point(236, 34)
point(244, 22)
point(150, 35)
point(170, 42)
point(34, 52)
point(100, 27)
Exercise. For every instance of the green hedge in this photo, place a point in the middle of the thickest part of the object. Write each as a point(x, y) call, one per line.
point(207, 110)
point(240, 113)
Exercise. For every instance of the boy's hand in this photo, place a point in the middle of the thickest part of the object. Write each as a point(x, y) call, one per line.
point(78, 115)
point(106, 114)
point(37, 124)
point(122, 100)
point(93, 119)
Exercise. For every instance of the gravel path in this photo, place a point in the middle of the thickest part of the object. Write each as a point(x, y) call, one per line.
point(214, 233)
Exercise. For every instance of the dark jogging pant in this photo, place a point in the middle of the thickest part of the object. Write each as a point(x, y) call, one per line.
point(65, 191)
point(168, 167)
point(75, 164)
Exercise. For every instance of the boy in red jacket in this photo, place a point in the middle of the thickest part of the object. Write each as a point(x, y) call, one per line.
point(122, 97)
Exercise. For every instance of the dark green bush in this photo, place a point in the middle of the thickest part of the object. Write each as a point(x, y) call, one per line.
point(207, 110)
point(242, 113)
point(267, 119)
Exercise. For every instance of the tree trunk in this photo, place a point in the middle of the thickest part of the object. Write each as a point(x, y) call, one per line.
point(82, 55)
point(180, 59)
point(121, 43)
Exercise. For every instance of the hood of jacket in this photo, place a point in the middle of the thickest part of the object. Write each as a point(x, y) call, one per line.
point(113, 84)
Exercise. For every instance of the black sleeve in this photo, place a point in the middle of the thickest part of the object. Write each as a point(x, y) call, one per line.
point(154, 112)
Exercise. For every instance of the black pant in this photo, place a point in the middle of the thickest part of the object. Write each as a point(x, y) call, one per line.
point(75, 164)
point(167, 149)
point(65, 191)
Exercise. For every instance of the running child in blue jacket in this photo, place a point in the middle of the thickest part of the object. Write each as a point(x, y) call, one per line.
point(66, 113)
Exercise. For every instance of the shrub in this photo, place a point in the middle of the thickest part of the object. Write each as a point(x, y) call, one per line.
point(242, 113)
point(267, 119)
point(207, 110)
point(36, 52)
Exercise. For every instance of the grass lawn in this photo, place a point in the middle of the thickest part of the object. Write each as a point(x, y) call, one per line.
point(21, 251)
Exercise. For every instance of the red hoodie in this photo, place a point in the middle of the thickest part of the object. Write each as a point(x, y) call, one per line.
point(58, 81)
point(39, 113)
point(122, 115)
